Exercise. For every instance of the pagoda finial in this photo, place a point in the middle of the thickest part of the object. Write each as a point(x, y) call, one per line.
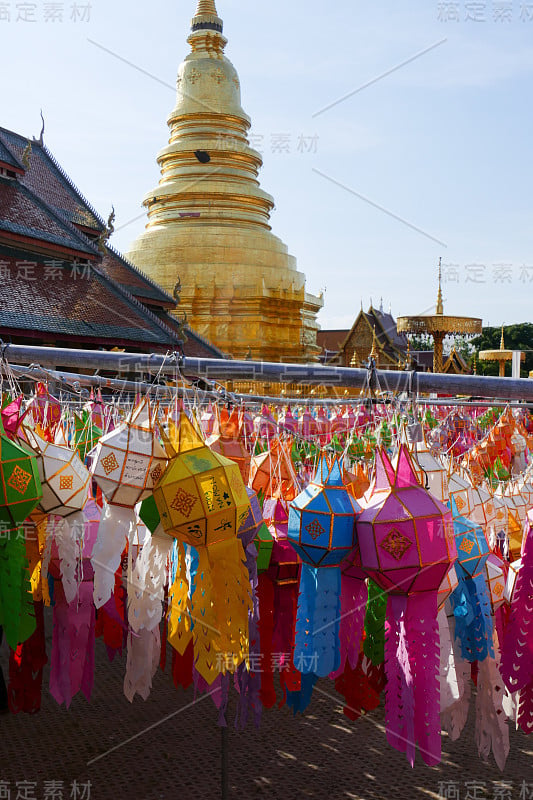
point(502, 341)
point(206, 17)
point(440, 304)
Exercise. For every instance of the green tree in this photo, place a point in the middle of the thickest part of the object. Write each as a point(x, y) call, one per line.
point(517, 337)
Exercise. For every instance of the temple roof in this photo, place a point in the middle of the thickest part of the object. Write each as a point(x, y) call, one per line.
point(24, 214)
point(73, 301)
point(133, 280)
point(46, 223)
point(50, 182)
point(7, 157)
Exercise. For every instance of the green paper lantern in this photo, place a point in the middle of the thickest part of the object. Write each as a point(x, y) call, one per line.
point(264, 542)
point(20, 486)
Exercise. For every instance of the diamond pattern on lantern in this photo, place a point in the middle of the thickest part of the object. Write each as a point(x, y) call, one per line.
point(183, 502)
point(110, 463)
point(66, 482)
point(498, 590)
point(467, 546)
point(460, 503)
point(315, 529)
point(19, 480)
point(396, 544)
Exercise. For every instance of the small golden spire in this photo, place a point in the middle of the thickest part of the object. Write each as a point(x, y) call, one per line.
point(206, 17)
point(206, 7)
point(502, 341)
point(440, 305)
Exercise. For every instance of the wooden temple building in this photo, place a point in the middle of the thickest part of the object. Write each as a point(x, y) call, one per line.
point(375, 334)
point(62, 283)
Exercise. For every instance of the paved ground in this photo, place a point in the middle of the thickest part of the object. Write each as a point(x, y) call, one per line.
point(319, 755)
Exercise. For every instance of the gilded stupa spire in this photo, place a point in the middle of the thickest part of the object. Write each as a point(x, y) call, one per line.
point(502, 341)
point(206, 17)
point(440, 304)
point(209, 219)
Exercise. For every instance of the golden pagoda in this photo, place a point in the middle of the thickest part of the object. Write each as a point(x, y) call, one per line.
point(439, 325)
point(502, 356)
point(208, 237)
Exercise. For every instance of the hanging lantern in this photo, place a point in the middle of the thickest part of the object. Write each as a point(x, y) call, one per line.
point(272, 473)
point(202, 501)
point(322, 531)
point(64, 477)
point(20, 485)
point(496, 580)
point(430, 470)
point(406, 540)
point(510, 584)
point(287, 422)
point(447, 587)
point(126, 465)
point(129, 461)
point(228, 440)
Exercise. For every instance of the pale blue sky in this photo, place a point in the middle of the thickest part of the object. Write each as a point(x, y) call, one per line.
point(443, 142)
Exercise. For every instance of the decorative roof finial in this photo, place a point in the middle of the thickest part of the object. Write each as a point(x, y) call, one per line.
point(381, 305)
point(502, 341)
point(41, 136)
point(440, 305)
point(107, 232)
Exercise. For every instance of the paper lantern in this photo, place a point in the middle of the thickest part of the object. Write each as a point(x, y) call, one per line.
point(510, 583)
point(496, 580)
point(461, 492)
point(405, 537)
point(265, 426)
point(287, 422)
point(322, 519)
point(430, 469)
point(201, 497)
point(129, 461)
point(20, 485)
point(448, 585)
point(264, 542)
point(272, 473)
point(405, 534)
point(202, 501)
point(126, 465)
point(64, 477)
point(322, 532)
point(228, 440)
point(471, 543)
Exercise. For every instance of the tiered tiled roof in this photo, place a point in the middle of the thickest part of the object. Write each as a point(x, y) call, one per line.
point(55, 283)
point(134, 281)
point(48, 180)
point(9, 160)
point(50, 296)
point(23, 214)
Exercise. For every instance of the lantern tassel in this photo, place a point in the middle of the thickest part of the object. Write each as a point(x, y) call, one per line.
point(117, 526)
point(424, 656)
point(517, 652)
point(326, 621)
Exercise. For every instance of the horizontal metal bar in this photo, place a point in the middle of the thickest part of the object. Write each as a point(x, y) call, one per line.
point(306, 374)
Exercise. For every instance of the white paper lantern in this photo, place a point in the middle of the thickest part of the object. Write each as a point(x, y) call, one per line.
point(129, 461)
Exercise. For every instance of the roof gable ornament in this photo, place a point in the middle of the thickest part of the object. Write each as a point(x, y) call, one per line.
point(26, 155)
point(107, 232)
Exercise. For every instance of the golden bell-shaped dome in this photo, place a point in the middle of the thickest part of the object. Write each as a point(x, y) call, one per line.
point(209, 220)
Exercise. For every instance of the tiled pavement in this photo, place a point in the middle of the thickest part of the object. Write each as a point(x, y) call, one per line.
point(319, 755)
